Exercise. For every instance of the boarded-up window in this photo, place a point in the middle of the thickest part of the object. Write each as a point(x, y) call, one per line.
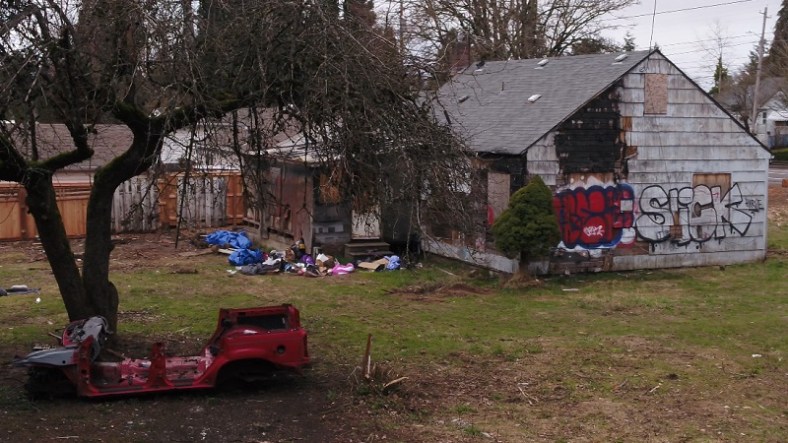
point(656, 96)
point(497, 194)
point(723, 180)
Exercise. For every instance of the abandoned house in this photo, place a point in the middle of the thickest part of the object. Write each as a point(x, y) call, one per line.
point(647, 170)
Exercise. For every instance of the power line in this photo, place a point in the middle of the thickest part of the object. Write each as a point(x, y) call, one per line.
point(681, 10)
point(730, 62)
point(695, 51)
point(653, 21)
point(692, 42)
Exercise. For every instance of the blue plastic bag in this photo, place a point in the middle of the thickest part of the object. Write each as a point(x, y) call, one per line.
point(394, 263)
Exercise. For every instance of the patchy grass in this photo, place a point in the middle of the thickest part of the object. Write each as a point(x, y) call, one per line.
point(690, 354)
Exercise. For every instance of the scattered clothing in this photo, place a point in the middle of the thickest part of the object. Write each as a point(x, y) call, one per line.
point(261, 268)
point(340, 269)
point(252, 262)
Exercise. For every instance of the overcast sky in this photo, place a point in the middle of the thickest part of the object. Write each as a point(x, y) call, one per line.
point(686, 35)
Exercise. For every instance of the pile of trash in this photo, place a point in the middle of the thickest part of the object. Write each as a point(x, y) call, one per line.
point(293, 260)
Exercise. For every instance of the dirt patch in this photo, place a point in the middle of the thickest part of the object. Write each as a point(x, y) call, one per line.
point(139, 317)
point(286, 409)
point(435, 292)
point(778, 205)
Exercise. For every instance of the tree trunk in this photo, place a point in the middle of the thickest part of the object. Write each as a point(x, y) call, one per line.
point(98, 242)
point(98, 247)
point(41, 201)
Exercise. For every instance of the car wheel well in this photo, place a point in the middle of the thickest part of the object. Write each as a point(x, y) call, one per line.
point(244, 371)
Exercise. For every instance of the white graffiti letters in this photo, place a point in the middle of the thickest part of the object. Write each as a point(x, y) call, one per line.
point(687, 215)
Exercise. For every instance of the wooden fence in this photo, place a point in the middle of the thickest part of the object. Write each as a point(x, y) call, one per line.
point(141, 204)
point(17, 224)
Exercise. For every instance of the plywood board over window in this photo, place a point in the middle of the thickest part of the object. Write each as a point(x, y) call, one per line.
point(497, 193)
point(723, 180)
point(656, 96)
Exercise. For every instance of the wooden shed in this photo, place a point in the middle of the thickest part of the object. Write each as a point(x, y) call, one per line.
point(647, 170)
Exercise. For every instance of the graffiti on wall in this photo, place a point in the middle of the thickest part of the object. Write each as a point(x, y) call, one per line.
point(595, 215)
point(693, 214)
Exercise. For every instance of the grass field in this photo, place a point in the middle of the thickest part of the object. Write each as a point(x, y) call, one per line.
point(670, 355)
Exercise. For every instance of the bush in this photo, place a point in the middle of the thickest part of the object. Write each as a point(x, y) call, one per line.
point(528, 227)
point(780, 155)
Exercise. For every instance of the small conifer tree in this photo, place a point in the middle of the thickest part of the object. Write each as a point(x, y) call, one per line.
point(528, 227)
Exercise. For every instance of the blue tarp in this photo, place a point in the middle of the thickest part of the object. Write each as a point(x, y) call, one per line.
point(236, 240)
point(243, 257)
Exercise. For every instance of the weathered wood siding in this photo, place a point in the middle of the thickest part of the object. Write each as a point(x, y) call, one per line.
point(135, 206)
point(542, 160)
point(140, 204)
point(212, 199)
point(688, 187)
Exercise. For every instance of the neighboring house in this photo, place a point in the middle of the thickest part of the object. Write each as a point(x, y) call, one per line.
point(214, 195)
point(647, 170)
point(72, 184)
point(214, 199)
point(771, 124)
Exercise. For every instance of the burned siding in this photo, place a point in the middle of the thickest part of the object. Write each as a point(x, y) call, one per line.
point(589, 141)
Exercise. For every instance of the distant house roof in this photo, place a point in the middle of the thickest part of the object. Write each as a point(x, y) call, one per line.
point(106, 140)
point(506, 106)
point(768, 89)
point(110, 140)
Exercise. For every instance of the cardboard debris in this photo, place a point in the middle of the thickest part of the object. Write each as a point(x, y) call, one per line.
point(374, 265)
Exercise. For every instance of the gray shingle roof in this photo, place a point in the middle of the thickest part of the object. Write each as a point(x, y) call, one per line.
point(107, 141)
point(490, 104)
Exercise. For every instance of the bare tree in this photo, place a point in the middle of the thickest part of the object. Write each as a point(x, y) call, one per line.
point(501, 29)
point(715, 46)
point(157, 66)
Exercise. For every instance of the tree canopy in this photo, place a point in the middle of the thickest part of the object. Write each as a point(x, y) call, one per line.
point(504, 29)
point(157, 66)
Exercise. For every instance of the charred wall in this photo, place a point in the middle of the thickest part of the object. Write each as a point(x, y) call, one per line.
point(590, 140)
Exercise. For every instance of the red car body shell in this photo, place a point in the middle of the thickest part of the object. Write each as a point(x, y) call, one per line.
point(269, 337)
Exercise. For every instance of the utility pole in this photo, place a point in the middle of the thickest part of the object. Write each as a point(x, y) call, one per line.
point(754, 115)
point(401, 27)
